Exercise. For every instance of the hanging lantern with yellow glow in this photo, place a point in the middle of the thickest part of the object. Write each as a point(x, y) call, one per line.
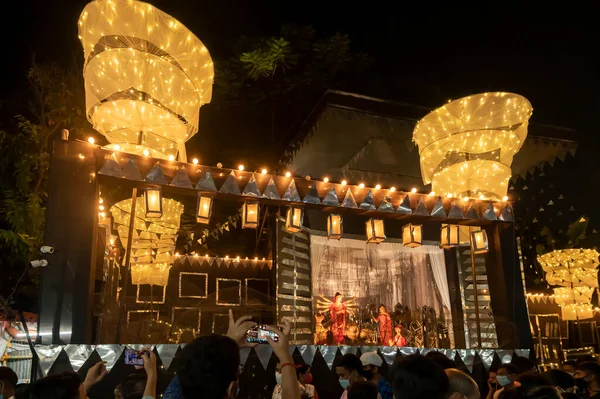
point(375, 231)
point(334, 226)
point(479, 242)
point(153, 202)
point(294, 219)
point(153, 240)
point(204, 209)
point(412, 235)
point(250, 212)
point(449, 235)
point(575, 271)
point(146, 77)
point(467, 146)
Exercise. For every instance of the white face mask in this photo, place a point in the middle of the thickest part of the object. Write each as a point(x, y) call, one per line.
point(278, 377)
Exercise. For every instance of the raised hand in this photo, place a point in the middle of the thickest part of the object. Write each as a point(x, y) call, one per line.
point(238, 328)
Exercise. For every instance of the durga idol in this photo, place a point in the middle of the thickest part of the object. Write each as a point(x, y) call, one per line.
point(339, 317)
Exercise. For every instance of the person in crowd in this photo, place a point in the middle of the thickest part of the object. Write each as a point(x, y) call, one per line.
point(569, 367)
point(441, 360)
point(22, 391)
point(363, 390)
point(371, 365)
point(491, 381)
point(561, 380)
point(417, 377)
point(304, 376)
point(525, 365)
point(461, 385)
point(399, 339)
point(587, 379)
point(385, 325)
point(67, 385)
point(8, 383)
point(505, 376)
point(537, 392)
point(349, 371)
point(132, 386)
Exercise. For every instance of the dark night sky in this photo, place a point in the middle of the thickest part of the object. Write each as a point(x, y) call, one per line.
point(546, 53)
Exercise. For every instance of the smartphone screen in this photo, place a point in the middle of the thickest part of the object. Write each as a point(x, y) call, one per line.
point(132, 357)
point(259, 334)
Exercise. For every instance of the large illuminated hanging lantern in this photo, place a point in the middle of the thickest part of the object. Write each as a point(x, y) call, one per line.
point(153, 241)
point(467, 146)
point(575, 271)
point(146, 77)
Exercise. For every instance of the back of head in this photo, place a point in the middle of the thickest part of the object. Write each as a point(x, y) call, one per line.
point(462, 383)
point(538, 392)
point(132, 387)
point(560, 378)
point(59, 386)
point(22, 391)
point(207, 366)
point(524, 364)
point(529, 381)
point(442, 360)
point(9, 379)
point(415, 377)
point(590, 368)
point(363, 390)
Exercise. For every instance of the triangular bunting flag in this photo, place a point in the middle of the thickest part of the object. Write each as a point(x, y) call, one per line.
point(313, 196)
point(244, 352)
point(389, 354)
point(328, 353)
point(271, 191)
point(230, 186)
point(181, 179)
point(47, 355)
point(421, 209)
point(404, 207)
point(472, 213)
point(252, 188)
point(131, 171)
point(368, 204)
point(308, 353)
point(331, 199)
point(206, 183)
point(349, 201)
point(438, 209)
point(78, 354)
point(291, 193)
point(490, 212)
point(167, 352)
point(111, 168)
point(156, 175)
point(507, 214)
point(110, 354)
point(386, 205)
point(264, 353)
point(348, 349)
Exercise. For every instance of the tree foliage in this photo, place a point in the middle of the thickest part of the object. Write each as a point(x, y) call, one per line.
point(53, 101)
point(281, 77)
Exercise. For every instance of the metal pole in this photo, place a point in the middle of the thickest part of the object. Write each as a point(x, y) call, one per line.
point(475, 294)
point(127, 265)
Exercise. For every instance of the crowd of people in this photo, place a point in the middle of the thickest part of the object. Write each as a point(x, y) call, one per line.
point(208, 368)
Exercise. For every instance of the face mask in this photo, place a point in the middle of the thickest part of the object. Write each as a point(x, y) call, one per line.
point(581, 383)
point(278, 377)
point(308, 379)
point(503, 380)
point(345, 383)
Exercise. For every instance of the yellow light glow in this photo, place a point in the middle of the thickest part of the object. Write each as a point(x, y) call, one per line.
point(326, 180)
point(91, 140)
point(288, 174)
point(171, 157)
point(344, 182)
point(432, 194)
point(116, 147)
point(378, 187)
point(413, 190)
point(264, 171)
point(505, 198)
point(241, 167)
point(195, 161)
point(146, 152)
point(361, 185)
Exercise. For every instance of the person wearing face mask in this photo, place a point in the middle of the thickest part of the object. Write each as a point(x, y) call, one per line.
point(304, 376)
point(349, 371)
point(587, 379)
point(505, 376)
point(569, 366)
point(371, 363)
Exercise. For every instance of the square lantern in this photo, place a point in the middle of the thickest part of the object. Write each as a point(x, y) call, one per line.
point(334, 226)
point(204, 209)
point(375, 230)
point(154, 202)
point(449, 235)
point(250, 215)
point(479, 242)
point(412, 235)
point(294, 218)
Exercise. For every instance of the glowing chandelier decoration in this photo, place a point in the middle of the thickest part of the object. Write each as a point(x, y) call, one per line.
point(467, 146)
point(575, 271)
point(146, 77)
point(153, 241)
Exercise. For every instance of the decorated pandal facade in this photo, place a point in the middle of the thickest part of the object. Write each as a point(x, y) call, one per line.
point(160, 249)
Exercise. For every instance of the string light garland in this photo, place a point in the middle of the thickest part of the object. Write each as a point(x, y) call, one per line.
point(466, 147)
point(146, 76)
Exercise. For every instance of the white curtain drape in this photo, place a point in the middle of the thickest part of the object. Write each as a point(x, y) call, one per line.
point(438, 267)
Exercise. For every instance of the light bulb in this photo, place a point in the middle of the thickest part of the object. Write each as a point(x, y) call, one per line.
point(392, 189)
point(288, 174)
point(116, 147)
point(413, 190)
point(264, 171)
point(431, 194)
point(146, 152)
point(344, 182)
point(91, 140)
point(361, 185)
point(505, 198)
point(326, 180)
point(377, 187)
point(195, 161)
point(171, 157)
point(241, 167)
